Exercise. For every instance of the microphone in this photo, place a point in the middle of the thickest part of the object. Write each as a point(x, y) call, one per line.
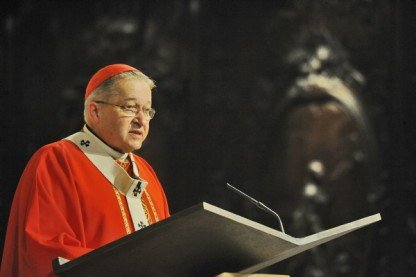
point(258, 204)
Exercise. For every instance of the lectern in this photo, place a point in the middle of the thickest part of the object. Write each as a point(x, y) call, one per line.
point(203, 240)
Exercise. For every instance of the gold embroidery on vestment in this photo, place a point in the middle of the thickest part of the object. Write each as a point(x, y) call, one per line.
point(146, 212)
point(123, 211)
point(152, 206)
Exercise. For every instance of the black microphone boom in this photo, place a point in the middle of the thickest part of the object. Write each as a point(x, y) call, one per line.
point(258, 204)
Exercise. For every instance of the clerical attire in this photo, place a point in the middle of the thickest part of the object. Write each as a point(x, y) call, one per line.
point(76, 195)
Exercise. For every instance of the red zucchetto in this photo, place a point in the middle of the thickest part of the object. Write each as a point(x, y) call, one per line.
point(106, 73)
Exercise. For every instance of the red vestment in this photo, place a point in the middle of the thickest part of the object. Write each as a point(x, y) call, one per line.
point(64, 206)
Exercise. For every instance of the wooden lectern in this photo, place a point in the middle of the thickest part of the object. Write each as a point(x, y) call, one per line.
point(203, 240)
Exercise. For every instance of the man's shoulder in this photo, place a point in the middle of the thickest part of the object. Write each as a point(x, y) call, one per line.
point(140, 159)
point(143, 164)
point(60, 147)
point(52, 155)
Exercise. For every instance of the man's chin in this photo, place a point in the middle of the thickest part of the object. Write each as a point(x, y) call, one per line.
point(136, 146)
point(131, 147)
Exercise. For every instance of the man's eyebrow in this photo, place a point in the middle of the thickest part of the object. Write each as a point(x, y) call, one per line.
point(134, 99)
point(130, 98)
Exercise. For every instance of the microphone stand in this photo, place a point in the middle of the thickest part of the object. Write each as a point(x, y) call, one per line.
point(258, 204)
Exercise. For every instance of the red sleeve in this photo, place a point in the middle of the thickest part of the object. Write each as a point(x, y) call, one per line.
point(45, 220)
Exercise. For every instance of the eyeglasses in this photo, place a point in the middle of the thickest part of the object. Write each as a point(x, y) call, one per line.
point(131, 110)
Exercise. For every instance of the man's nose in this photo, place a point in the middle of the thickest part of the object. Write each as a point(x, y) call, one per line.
point(141, 117)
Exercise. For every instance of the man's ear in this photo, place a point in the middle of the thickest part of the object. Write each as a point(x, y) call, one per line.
point(94, 111)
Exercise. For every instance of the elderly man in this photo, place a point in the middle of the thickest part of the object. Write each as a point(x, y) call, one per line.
point(88, 189)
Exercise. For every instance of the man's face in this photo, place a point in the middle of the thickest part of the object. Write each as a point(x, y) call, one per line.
point(123, 132)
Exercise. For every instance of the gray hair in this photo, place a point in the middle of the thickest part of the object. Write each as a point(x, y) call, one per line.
point(106, 89)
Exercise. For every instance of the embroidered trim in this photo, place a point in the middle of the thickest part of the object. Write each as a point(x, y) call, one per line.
point(146, 212)
point(124, 165)
point(151, 205)
point(123, 211)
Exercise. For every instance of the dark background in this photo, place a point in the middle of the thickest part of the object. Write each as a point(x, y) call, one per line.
point(305, 105)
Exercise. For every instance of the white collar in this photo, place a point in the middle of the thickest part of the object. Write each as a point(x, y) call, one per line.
point(110, 151)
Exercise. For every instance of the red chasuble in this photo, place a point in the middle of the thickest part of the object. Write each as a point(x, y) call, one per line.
point(65, 207)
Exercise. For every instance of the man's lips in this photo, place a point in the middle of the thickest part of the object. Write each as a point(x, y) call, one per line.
point(136, 132)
